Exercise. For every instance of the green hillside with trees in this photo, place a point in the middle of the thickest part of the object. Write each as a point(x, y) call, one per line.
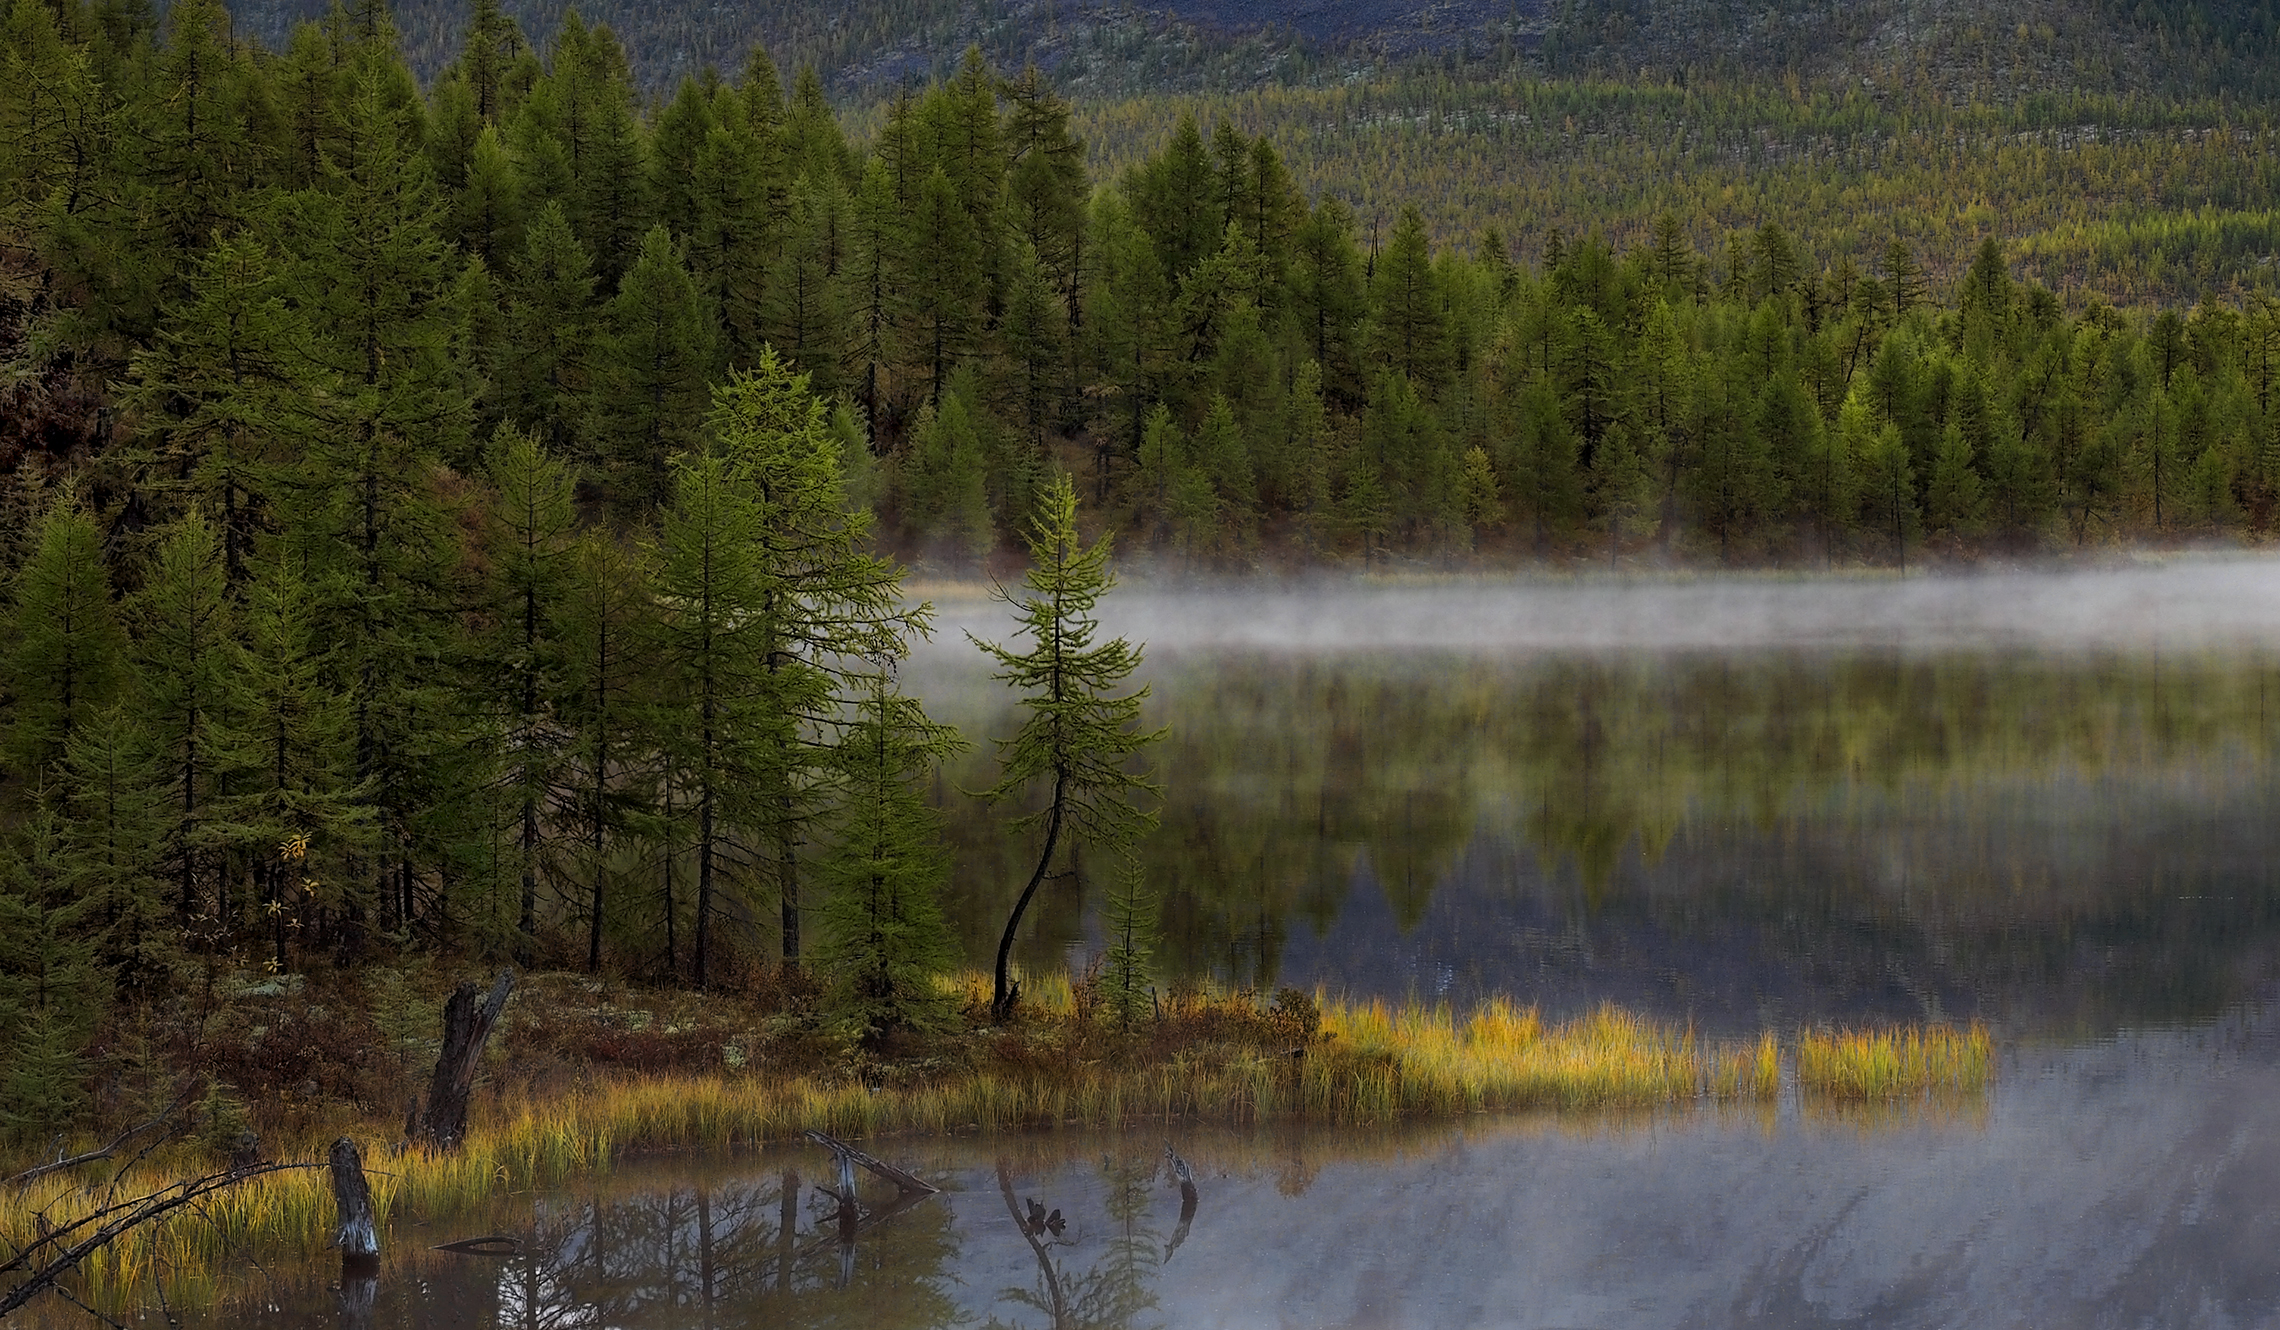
point(469, 514)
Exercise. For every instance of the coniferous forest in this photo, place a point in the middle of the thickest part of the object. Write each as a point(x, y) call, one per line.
point(468, 515)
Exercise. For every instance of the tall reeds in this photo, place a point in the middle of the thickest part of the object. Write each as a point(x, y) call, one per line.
point(1894, 1063)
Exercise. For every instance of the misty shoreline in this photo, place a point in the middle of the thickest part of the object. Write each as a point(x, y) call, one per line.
point(2200, 601)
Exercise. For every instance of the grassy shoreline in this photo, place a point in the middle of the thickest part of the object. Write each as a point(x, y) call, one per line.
point(1227, 1061)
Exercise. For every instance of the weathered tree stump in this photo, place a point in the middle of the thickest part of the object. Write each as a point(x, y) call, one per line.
point(356, 1235)
point(466, 1028)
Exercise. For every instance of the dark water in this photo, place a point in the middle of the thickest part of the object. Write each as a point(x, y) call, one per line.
point(1748, 809)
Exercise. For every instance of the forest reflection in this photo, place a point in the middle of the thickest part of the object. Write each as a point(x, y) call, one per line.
point(770, 1251)
point(1985, 806)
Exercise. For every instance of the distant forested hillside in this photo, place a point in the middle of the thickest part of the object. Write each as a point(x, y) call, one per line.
point(865, 49)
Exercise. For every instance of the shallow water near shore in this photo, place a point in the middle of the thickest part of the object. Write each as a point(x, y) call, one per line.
point(1826, 819)
point(2122, 1181)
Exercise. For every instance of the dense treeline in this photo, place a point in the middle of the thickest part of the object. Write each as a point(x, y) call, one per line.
point(445, 520)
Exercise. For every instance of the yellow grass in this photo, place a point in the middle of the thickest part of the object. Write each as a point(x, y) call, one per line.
point(1893, 1063)
point(1372, 1065)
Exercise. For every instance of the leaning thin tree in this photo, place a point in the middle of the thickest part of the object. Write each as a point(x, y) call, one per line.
point(1082, 732)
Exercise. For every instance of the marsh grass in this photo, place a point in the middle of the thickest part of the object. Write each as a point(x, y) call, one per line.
point(1872, 1065)
point(1218, 1059)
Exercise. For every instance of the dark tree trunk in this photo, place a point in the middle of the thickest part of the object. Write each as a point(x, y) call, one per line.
point(466, 1028)
point(356, 1236)
point(1006, 994)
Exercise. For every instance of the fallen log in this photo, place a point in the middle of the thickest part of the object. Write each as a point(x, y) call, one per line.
point(848, 1154)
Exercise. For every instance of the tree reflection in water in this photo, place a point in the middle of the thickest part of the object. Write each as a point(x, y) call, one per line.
point(1117, 1290)
point(739, 1253)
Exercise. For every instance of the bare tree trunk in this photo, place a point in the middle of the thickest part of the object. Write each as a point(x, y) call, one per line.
point(355, 1235)
point(466, 1028)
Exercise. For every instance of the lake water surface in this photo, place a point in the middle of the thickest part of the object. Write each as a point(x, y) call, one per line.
point(2046, 803)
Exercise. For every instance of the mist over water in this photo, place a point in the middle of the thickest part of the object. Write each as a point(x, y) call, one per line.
point(2038, 798)
point(2202, 601)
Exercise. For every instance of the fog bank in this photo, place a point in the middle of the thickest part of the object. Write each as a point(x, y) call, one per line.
point(2198, 602)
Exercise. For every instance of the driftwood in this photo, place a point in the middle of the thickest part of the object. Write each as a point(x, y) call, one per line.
point(849, 1155)
point(58, 1251)
point(466, 1028)
point(853, 1221)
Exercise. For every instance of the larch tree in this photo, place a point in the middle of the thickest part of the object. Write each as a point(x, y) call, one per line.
point(653, 360)
point(113, 842)
point(544, 378)
point(826, 603)
point(717, 722)
point(884, 935)
point(1080, 732)
point(190, 665)
point(607, 617)
point(67, 656)
point(530, 541)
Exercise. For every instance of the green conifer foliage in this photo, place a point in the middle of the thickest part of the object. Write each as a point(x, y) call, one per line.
point(606, 622)
point(1955, 501)
point(652, 362)
point(1224, 460)
point(530, 538)
point(221, 389)
point(67, 656)
point(1132, 922)
point(1173, 200)
point(1622, 492)
point(486, 62)
point(1128, 327)
point(1034, 333)
point(300, 761)
point(112, 842)
point(1080, 733)
point(946, 280)
point(1045, 189)
point(544, 377)
point(1408, 324)
point(52, 991)
point(1307, 448)
point(826, 598)
point(725, 724)
point(869, 289)
point(945, 479)
point(803, 314)
point(1888, 493)
point(191, 667)
point(487, 212)
point(884, 936)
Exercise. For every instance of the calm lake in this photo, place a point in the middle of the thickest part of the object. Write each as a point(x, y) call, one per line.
point(2042, 802)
